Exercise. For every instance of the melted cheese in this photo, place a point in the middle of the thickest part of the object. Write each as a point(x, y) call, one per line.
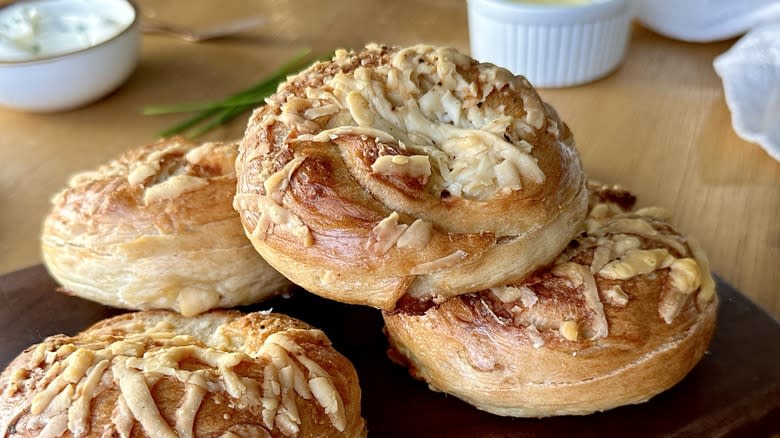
point(414, 166)
point(581, 276)
point(601, 256)
point(37, 356)
point(440, 263)
point(78, 413)
point(418, 100)
point(615, 296)
point(385, 234)
point(684, 279)
point(527, 296)
point(618, 255)
point(388, 233)
point(127, 348)
point(707, 289)
point(278, 182)
point(141, 171)
point(333, 133)
point(270, 402)
point(140, 402)
point(222, 154)
point(173, 187)
point(506, 294)
point(156, 157)
point(193, 301)
point(637, 262)
point(684, 275)
point(185, 414)
point(417, 236)
point(274, 218)
point(122, 418)
point(136, 366)
point(642, 228)
point(569, 330)
point(55, 427)
point(77, 364)
point(60, 402)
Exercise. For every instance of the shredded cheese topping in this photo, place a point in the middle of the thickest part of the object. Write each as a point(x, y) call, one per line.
point(165, 170)
point(618, 254)
point(389, 233)
point(78, 373)
point(420, 101)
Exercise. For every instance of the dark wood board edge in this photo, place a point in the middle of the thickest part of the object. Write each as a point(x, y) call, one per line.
point(733, 391)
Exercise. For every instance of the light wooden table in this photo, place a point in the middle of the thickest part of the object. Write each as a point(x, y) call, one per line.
point(659, 125)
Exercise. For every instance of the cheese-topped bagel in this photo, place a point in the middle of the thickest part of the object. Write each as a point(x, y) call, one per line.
point(407, 170)
point(624, 313)
point(155, 229)
point(158, 374)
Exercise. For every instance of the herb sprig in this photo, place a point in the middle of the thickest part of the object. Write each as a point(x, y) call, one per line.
point(213, 114)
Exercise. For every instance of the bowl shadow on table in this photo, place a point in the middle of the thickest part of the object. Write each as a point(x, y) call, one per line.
point(733, 391)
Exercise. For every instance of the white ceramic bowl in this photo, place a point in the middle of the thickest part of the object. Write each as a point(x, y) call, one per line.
point(706, 20)
point(551, 45)
point(73, 79)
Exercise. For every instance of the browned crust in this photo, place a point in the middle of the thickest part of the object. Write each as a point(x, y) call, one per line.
point(339, 200)
point(156, 221)
point(105, 199)
point(219, 412)
point(510, 390)
point(509, 358)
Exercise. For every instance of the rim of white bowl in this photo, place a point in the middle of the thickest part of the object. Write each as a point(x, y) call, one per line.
point(511, 10)
point(50, 58)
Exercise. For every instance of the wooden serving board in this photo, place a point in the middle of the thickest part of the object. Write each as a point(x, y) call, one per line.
point(734, 391)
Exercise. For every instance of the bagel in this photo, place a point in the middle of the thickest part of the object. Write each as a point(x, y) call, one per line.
point(159, 374)
point(395, 171)
point(624, 313)
point(155, 229)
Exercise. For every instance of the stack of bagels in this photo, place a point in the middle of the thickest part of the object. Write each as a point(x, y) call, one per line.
point(415, 180)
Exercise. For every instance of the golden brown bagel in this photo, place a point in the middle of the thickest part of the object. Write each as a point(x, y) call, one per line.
point(624, 313)
point(393, 171)
point(158, 374)
point(155, 229)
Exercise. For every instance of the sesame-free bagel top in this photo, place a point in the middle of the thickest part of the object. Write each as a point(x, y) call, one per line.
point(155, 229)
point(392, 171)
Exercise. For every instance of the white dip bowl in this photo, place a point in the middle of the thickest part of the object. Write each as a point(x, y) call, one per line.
point(551, 43)
point(61, 54)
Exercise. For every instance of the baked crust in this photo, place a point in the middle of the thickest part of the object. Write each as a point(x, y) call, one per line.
point(158, 374)
point(393, 171)
point(155, 229)
point(623, 314)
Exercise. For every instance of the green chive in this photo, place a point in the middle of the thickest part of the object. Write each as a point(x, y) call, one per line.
point(213, 114)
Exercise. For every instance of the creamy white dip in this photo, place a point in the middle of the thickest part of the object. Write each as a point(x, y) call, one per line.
point(38, 29)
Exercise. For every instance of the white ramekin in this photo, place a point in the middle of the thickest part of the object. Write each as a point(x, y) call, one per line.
point(551, 45)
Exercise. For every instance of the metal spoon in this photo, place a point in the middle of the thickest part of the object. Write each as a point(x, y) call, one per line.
point(210, 33)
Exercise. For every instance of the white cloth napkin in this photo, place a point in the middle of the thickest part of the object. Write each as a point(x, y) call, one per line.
point(750, 71)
